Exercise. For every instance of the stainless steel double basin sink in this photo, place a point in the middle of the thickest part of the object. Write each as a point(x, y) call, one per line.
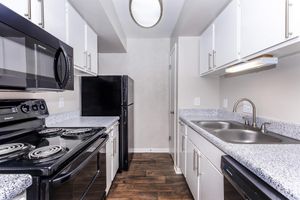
point(234, 132)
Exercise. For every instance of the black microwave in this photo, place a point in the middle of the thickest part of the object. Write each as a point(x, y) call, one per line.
point(31, 58)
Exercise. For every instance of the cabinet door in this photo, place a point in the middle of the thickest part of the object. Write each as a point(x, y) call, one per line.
point(116, 151)
point(206, 49)
point(191, 170)
point(76, 36)
point(55, 18)
point(22, 7)
point(182, 148)
point(262, 25)
point(294, 16)
point(211, 181)
point(226, 35)
point(109, 148)
point(91, 48)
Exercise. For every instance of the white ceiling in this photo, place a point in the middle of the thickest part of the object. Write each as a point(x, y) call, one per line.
point(196, 15)
point(171, 12)
point(180, 18)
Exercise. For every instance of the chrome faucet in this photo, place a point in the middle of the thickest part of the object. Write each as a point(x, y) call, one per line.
point(253, 109)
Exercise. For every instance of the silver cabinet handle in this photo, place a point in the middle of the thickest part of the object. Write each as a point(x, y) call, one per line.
point(28, 14)
point(287, 19)
point(115, 146)
point(198, 162)
point(42, 23)
point(214, 58)
point(209, 59)
point(86, 59)
point(194, 160)
point(182, 144)
point(90, 60)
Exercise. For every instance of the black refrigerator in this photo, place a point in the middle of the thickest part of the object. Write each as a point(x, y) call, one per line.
point(112, 96)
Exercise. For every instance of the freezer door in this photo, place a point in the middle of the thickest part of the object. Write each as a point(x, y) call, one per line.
point(101, 96)
point(128, 90)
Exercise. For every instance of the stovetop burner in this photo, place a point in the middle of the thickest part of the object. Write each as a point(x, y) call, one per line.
point(13, 151)
point(51, 131)
point(78, 133)
point(47, 153)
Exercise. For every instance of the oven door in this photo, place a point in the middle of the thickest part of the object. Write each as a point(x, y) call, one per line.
point(79, 180)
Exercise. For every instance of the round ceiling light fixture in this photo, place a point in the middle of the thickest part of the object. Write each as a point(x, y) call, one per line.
point(146, 13)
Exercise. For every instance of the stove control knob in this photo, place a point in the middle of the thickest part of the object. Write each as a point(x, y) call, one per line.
point(42, 107)
point(35, 107)
point(25, 108)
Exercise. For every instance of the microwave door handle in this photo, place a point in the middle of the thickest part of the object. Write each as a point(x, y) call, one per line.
point(65, 80)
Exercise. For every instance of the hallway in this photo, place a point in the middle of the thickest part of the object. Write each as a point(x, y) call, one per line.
point(150, 177)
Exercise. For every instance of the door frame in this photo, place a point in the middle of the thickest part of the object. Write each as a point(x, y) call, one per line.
point(173, 52)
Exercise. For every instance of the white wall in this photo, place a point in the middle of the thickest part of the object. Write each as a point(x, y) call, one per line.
point(190, 84)
point(147, 63)
point(275, 92)
point(71, 98)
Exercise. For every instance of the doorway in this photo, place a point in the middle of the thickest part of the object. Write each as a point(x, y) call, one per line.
point(173, 103)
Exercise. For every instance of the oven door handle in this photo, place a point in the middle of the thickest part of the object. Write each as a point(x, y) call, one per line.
point(67, 176)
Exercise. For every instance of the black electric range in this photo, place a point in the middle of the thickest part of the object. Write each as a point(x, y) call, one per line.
point(63, 162)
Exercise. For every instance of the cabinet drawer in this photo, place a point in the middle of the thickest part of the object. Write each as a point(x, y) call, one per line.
point(206, 148)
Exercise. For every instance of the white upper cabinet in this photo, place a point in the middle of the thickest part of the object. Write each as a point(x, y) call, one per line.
point(92, 50)
point(55, 18)
point(47, 14)
point(76, 37)
point(294, 18)
point(83, 39)
point(207, 49)
point(22, 7)
point(227, 35)
point(266, 23)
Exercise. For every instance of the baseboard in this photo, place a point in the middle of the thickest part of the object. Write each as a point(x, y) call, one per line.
point(150, 150)
point(177, 170)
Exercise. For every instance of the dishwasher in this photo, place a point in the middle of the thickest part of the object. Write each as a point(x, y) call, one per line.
point(240, 183)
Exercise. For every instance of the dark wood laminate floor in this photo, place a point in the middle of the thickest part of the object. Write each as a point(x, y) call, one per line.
point(150, 177)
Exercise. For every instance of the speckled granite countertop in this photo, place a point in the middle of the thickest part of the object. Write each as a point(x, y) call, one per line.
point(75, 120)
point(276, 164)
point(11, 185)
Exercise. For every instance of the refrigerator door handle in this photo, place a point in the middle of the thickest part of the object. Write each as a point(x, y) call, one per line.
point(125, 116)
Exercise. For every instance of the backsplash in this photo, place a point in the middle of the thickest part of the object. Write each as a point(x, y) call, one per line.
point(71, 99)
point(283, 128)
point(60, 117)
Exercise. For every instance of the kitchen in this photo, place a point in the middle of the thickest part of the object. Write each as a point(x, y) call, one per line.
point(156, 99)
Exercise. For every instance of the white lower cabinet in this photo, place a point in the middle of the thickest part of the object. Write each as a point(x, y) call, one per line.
point(192, 176)
point(211, 181)
point(116, 151)
point(203, 177)
point(182, 147)
point(112, 155)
